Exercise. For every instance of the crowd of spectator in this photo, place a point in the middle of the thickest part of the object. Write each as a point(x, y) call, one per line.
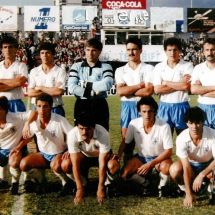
point(192, 49)
point(70, 47)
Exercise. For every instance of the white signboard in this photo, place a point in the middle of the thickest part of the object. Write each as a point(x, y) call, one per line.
point(78, 17)
point(151, 53)
point(167, 19)
point(8, 18)
point(119, 17)
point(41, 18)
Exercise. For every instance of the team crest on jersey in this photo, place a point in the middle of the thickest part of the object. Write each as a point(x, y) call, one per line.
point(53, 133)
point(154, 141)
point(206, 148)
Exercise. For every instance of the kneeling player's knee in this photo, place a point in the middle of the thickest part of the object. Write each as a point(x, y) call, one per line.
point(113, 166)
point(164, 167)
point(24, 165)
point(174, 170)
point(56, 167)
point(66, 166)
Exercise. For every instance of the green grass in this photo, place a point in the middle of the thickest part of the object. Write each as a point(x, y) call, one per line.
point(129, 205)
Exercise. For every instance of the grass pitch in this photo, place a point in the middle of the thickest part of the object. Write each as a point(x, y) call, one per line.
point(32, 204)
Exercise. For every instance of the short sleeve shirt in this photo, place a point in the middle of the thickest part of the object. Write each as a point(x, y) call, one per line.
point(205, 151)
point(152, 143)
point(51, 140)
point(163, 72)
point(100, 142)
point(126, 75)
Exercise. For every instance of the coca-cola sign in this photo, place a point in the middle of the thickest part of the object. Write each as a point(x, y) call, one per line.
point(124, 4)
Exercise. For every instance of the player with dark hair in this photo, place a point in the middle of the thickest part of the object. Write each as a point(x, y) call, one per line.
point(203, 82)
point(172, 82)
point(153, 141)
point(195, 149)
point(133, 81)
point(48, 78)
point(88, 145)
point(88, 81)
point(13, 75)
point(11, 125)
point(50, 130)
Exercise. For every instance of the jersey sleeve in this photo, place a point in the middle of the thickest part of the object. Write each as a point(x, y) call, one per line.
point(181, 149)
point(129, 134)
point(188, 69)
point(167, 137)
point(106, 82)
point(61, 79)
point(31, 80)
point(23, 70)
point(66, 125)
point(104, 140)
point(157, 79)
point(73, 82)
point(72, 142)
point(148, 74)
point(195, 75)
point(119, 76)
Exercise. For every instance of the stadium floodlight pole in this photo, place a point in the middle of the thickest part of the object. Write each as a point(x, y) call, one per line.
point(191, 3)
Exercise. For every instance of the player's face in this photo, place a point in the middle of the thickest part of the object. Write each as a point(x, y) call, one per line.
point(86, 133)
point(195, 129)
point(173, 53)
point(92, 54)
point(44, 109)
point(46, 56)
point(8, 50)
point(209, 52)
point(133, 52)
point(147, 114)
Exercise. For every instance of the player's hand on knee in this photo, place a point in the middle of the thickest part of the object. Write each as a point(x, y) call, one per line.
point(198, 182)
point(79, 196)
point(66, 155)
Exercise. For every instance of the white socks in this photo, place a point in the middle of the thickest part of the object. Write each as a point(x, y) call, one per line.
point(15, 173)
point(62, 177)
point(163, 180)
point(3, 172)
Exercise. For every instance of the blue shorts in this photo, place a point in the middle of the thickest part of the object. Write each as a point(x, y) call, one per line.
point(128, 112)
point(58, 110)
point(16, 106)
point(173, 114)
point(210, 114)
point(145, 159)
point(4, 154)
point(198, 167)
point(47, 157)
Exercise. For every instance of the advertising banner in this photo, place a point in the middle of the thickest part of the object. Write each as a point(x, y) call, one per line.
point(201, 20)
point(8, 18)
point(41, 18)
point(78, 17)
point(124, 4)
point(167, 19)
point(130, 18)
point(153, 53)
